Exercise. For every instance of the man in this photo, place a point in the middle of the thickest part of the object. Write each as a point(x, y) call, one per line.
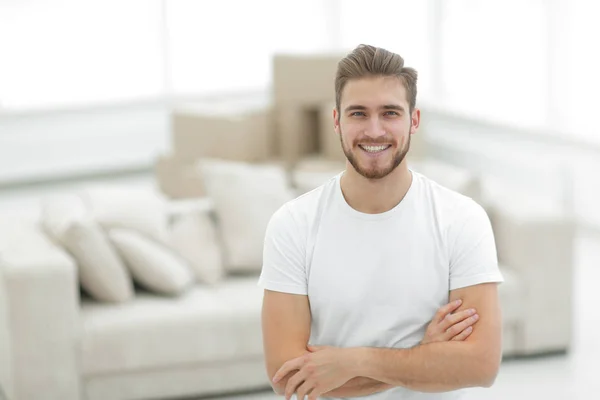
point(355, 270)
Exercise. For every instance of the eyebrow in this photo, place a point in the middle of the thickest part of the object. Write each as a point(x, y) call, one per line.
point(356, 107)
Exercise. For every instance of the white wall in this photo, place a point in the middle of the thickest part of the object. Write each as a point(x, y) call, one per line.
point(113, 139)
point(560, 170)
point(51, 145)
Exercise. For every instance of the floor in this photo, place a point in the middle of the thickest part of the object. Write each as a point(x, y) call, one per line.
point(572, 376)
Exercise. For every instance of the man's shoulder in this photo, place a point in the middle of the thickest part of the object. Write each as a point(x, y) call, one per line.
point(310, 202)
point(307, 206)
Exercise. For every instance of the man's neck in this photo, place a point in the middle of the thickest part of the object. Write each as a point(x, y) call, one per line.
point(375, 196)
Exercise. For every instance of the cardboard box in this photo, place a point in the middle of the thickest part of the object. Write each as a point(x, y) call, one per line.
point(178, 179)
point(330, 146)
point(231, 130)
point(304, 79)
point(297, 130)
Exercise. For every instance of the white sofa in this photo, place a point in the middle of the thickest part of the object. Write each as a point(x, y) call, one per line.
point(207, 339)
point(66, 345)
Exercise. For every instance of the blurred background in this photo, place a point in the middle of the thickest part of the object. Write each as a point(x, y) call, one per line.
point(150, 95)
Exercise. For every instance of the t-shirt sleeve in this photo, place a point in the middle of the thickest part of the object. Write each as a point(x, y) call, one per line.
point(473, 256)
point(284, 261)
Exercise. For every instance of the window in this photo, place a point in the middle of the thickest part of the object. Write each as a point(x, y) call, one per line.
point(71, 53)
point(401, 26)
point(581, 80)
point(227, 46)
point(494, 57)
point(64, 53)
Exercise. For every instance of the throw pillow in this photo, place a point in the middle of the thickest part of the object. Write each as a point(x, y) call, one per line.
point(151, 264)
point(102, 273)
point(313, 172)
point(245, 196)
point(58, 212)
point(193, 236)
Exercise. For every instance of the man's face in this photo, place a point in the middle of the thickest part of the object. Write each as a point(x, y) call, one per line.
point(374, 124)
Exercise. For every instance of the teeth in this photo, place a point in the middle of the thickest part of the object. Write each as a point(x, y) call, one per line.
point(374, 149)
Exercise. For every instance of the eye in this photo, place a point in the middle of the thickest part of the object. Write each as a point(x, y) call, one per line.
point(357, 114)
point(392, 114)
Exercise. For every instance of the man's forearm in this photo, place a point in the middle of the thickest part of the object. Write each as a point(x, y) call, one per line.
point(359, 386)
point(355, 387)
point(434, 367)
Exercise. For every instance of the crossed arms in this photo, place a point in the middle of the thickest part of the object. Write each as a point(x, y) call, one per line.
point(353, 372)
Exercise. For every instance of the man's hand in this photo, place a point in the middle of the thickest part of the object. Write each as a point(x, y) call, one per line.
point(321, 371)
point(328, 368)
point(446, 326)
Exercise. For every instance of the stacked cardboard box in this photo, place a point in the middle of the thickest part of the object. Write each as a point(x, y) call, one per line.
point(228, 130)
point(292, 126)
point(177, 178)
point(303, 85)
point(329, 141)
point(304, 99)
point(236, 130)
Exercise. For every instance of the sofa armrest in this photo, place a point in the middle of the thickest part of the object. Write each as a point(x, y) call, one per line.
point(539, 247)
point(42, 304)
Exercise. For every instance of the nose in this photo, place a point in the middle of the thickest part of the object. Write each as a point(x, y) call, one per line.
point(374, 128)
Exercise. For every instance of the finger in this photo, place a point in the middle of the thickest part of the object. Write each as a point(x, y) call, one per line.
point(287, 367)
point(316, 392)
point(293, 384)
point(447, 309)
point(304, 390)
point(461, 326)
point(316, 348)
point(463, 335)
point(452, 319)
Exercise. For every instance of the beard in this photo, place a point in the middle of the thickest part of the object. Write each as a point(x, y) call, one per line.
point(375, 172)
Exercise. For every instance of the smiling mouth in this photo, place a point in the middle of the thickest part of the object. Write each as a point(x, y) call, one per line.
point(375, 149)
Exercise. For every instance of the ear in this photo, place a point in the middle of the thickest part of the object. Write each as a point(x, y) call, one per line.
point(415, 120)
point(336, 120)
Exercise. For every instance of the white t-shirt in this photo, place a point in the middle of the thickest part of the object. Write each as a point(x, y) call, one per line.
point(376, 280)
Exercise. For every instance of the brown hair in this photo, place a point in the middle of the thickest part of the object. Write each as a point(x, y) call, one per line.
point(366, 61)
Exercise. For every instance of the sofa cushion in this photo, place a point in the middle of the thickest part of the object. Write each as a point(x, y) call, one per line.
point(453, 177)
point(207, 324)
point(117, 206)
point(152, 264)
